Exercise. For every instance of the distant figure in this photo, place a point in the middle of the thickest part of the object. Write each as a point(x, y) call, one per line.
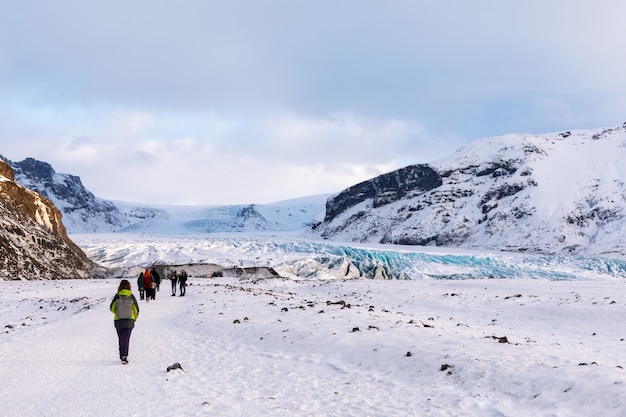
point(148, 285)
point(173, 279)
point(140, 286)
point(156, 277)
point(125, 308)
point(182, 279)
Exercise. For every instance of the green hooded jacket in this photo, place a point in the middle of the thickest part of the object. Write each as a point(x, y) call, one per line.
point(113, 306)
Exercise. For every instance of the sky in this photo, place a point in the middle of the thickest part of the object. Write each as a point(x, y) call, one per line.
point(202, 102)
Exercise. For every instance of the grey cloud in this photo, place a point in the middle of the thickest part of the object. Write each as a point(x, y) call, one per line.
point(309, 56)
point(417, 77)
point(79, 142)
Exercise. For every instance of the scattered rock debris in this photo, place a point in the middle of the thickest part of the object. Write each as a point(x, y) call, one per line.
point(513, 296)
point(502, 339)
point(446, 367)
point(175, 366)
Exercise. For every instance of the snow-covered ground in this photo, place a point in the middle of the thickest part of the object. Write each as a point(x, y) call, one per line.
point(536, 343)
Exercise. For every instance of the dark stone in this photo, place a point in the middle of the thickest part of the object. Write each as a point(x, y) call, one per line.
point(384, 189)
point(175, 366)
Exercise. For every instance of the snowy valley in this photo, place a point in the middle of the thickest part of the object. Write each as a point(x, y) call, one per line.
point(489, 283)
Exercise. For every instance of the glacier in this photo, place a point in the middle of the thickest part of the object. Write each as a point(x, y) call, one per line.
point(301, 258)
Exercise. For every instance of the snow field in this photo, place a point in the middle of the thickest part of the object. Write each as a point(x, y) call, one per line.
point(285, 347)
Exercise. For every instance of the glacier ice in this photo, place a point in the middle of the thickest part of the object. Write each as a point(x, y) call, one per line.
point(301, 258)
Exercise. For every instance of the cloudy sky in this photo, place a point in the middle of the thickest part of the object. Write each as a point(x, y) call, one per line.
point(254, 101)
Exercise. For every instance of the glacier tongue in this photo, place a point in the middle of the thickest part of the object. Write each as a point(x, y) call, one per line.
point(308, 259)
point(350, 262)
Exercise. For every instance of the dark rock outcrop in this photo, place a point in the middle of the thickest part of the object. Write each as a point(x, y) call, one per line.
point(384, 189)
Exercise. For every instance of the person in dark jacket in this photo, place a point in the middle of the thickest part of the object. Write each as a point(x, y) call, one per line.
point(156, 277)
point(173, 279)
point(124, 326)
point(140, 286)
point(182, 279)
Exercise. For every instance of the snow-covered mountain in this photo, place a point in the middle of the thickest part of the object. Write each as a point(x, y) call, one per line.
point(85, 213)
point(82, 211)
point(289, 215)
point(34, 243)
point(560, 193)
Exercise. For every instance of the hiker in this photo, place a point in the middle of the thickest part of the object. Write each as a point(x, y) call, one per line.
point(173, 279)
point(183, 282)
point(157, 278)
point(140, 286)
point(148, 285)
point(125, 308)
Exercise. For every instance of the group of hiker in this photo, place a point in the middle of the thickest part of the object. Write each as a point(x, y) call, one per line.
point(149, 283)
point(126, 308)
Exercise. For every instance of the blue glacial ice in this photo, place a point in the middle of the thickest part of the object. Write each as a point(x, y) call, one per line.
point(401, 264)
point(322, 259)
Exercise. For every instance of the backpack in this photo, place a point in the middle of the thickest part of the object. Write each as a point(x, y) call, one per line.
point(124, 307)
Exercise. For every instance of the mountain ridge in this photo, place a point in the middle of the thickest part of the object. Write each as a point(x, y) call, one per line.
point(560, 193)
point(34, 243)
point(83, 212)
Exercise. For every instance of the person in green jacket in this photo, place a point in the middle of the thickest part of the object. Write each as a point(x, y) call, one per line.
point(125, 309)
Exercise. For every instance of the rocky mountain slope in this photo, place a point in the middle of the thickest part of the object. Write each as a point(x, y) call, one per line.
point(82, 211)
point(34, 243)
point(559, 193)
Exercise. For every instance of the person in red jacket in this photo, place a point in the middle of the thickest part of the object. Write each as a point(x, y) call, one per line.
point(147, 285)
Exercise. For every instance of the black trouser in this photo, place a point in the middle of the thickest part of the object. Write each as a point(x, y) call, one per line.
point(183, 287)
point(123, 336)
